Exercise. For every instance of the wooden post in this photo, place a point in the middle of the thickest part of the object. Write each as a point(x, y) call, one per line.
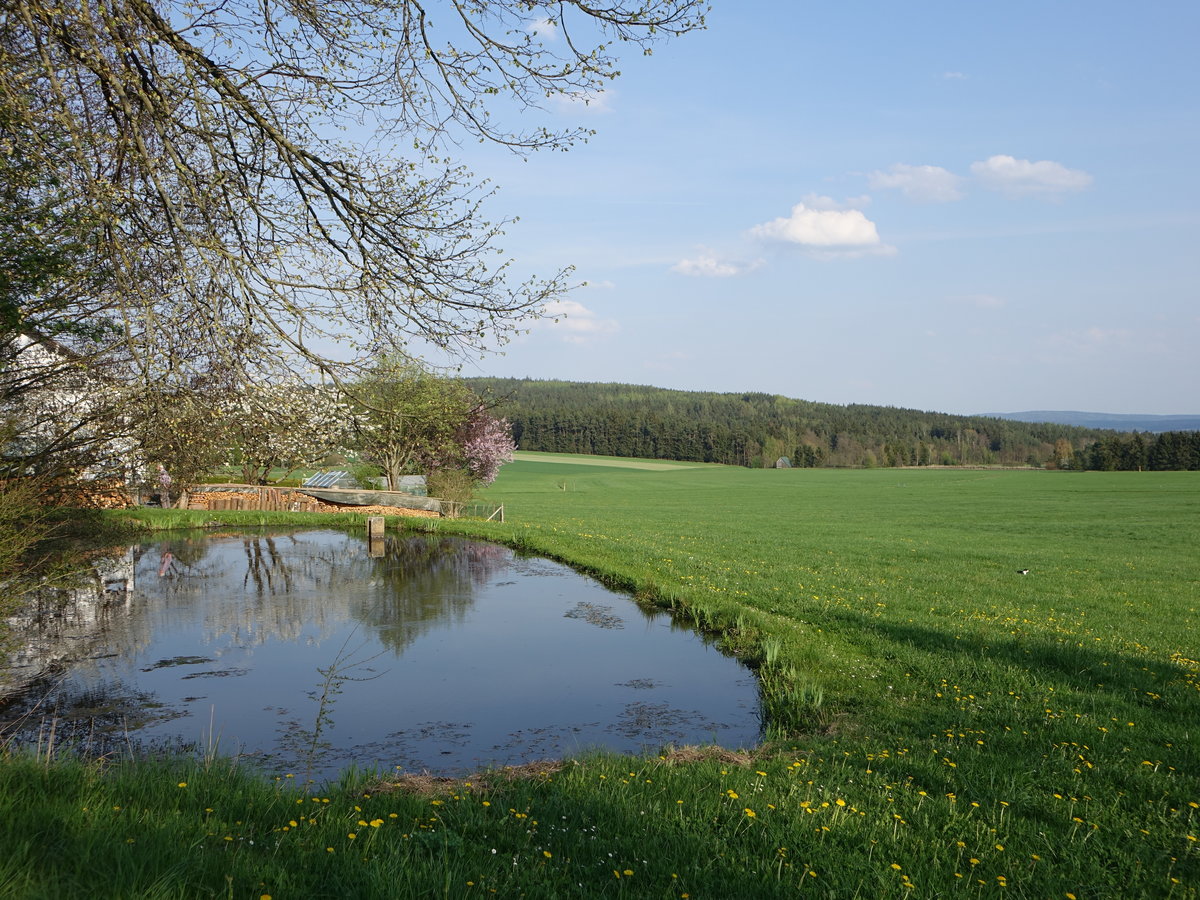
point(374, 527)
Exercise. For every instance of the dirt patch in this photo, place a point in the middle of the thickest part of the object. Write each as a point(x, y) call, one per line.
point(684, 755)
point(426, 785)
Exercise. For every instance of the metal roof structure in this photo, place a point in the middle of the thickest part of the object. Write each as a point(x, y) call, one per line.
point(324, 479)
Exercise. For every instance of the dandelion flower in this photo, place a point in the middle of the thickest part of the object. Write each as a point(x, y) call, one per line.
point(749, 813)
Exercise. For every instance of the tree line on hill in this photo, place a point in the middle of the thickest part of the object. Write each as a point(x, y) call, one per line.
point(1169, 451)
point(757, 430)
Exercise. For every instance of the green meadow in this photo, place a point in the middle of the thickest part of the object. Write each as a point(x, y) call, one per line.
point(938, 723)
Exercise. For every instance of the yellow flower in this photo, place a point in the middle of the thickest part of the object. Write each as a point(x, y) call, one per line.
point(183, 784)
point(749, 813)
point(547, 854)
point(840, 802)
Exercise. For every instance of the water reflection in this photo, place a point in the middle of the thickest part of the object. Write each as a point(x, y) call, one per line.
point(312, 649)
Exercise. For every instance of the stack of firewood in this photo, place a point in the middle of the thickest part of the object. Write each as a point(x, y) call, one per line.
point(288, 501)
point(98, 494)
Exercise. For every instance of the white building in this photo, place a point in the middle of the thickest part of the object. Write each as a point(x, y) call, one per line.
point(53, 399)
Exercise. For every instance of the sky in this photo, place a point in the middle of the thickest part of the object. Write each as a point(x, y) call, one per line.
point(946, 206)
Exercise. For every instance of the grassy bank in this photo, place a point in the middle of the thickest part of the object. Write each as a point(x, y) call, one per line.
point(942, 725)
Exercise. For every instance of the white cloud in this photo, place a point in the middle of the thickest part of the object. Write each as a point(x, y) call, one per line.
point(543, 28)
point(819, 201)
point(925, 184)
point(708, 265)
point(575, 323)
point(1020, 176)
point(953, 76)
point(827, 231)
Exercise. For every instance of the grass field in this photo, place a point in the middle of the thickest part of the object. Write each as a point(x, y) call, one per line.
point(940, 724)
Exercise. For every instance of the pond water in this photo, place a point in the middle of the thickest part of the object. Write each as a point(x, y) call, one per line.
point(310, 651)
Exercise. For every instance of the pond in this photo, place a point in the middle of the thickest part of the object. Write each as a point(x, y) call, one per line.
point(312, 651)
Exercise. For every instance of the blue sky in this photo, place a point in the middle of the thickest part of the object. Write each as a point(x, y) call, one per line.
point(949, 206)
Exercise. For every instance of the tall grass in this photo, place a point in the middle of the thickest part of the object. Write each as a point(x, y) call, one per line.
point(941, 724)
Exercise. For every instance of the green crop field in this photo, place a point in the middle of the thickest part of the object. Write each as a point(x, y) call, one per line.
point(939, 724)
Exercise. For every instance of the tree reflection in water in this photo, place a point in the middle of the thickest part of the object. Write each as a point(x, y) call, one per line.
point(447, 653)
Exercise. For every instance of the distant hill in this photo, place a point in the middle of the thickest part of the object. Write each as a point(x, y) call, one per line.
point(756, 429)
point(1116, 422)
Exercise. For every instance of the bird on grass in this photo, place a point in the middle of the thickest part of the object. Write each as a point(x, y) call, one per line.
point(1022, 571)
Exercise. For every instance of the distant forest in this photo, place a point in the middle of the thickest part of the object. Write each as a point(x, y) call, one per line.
point(758, 430)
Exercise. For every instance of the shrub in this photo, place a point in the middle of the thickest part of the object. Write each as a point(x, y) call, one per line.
point(453, 487)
